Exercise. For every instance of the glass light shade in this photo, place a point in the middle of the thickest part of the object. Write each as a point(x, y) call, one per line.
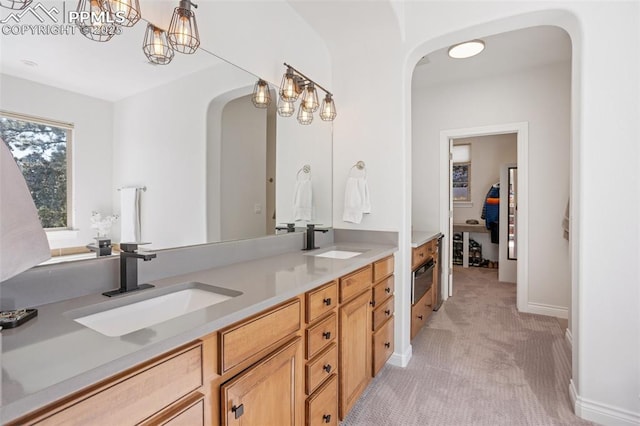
point(289, 87)
point(310, 98)
point(125, 12)
point(285, 108)
point(15, 4)
point(183, 30)
point(261, 97)
point(156, 47)
point(96, 20)
point(304, 117)
point(466, 49)
point(328, 109)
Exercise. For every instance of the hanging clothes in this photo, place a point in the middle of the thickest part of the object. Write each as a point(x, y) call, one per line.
point(491, 212)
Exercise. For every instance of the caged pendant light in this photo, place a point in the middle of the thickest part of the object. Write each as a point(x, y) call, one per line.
point(304, 117)
point(15, 4)
point(285, 108)
point(328, 109)
point(261, 97)
point(310, 98)
point(95, 20)
point(126, 12)
point(156, 47)
point(290, 86)
point(183, 30)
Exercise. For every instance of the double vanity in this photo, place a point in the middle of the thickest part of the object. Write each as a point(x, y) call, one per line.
point(285, 339)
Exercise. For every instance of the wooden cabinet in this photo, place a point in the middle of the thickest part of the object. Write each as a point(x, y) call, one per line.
point(382, 322)
point(420, 312)
point(268, 393)
point(355, 350)
point(322, 407)
point(320, 335)
point(355, 283)
point(382, 345)
point(321, 300)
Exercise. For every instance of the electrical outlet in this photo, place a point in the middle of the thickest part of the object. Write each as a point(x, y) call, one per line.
point(257, 208)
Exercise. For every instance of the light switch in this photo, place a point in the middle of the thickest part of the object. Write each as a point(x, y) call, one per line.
point(257, 208)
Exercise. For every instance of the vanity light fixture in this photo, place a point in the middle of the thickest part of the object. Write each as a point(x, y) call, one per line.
point(95, 20)
point(261, 97)
point(126, 12)
point(15, 4)
point(183, 30)
point(294, 83)
point(156, 47)
point(466, 49)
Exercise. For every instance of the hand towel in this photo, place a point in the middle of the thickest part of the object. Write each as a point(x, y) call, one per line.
point(23, 242)
point(356, 199)
point(303, 198)
point(129, 215)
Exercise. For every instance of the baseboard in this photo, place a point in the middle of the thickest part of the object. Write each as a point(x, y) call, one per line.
point(569, 337)
point(548, 310)
point(600, 413)
point(401, 360)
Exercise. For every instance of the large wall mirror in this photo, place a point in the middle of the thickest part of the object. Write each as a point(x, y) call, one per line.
point(215, 168)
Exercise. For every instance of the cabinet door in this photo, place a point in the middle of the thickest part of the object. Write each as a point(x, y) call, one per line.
point(355, 350)
point(268, 393)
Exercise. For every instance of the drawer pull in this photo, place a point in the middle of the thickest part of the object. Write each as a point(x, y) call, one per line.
point(387, 312)
point(387, 345)
point(421, 254)
point(327, 368)
point(327, 335)
point(419, 316)
point(387, 290)
point(238, 411)
point(372, 303)
point(327, 301)
point(326, 418)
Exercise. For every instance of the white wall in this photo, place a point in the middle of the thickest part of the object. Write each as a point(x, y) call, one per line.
point(91, 148)
point(243, 170)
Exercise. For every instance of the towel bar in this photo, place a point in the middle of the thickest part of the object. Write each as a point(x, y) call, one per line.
point(143, 188)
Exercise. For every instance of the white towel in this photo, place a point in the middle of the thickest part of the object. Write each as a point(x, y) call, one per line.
point(303, 198)
point(356, 199)
point(130, 215)
point(23, 242)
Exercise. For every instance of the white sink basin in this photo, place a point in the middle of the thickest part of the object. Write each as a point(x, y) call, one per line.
point(122, 320)
point(339, 254)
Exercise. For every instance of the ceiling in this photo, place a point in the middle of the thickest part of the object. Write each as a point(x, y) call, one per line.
point(503, 54)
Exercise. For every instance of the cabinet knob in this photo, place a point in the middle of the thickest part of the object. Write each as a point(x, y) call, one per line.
point(326, 335)
point(326, 418)
point(387, 312)
point(387, 344)
point(372, 303)
point(421, 254)
point(327, 301)
point(387, 290)
point(327, 368)
point(419, 316)
point(238, 411)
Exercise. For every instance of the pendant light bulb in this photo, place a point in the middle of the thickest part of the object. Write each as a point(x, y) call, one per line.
point(156, 47)
point(96, 20)
point(289, 87)
point(285, 108)
point(261, 97)
point(304, 117)
point(328, 109)
point(183, 30)
point(310, 98)
point(125, 12)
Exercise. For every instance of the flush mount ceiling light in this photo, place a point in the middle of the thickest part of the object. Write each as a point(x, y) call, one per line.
point(466, 49)
point(126, 12)
point(15, 4)
point(95, 20)
point(156, 47)
point(294, 83)
point(261, 97)
point(183, 30)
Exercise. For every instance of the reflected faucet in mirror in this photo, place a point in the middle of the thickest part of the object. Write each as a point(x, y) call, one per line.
point(129, 269)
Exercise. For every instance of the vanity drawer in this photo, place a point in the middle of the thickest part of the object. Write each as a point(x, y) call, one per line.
point(355, 283)
point(321, 367)
point(188, 412)
point(321, 335)
point(383, 312)
point(239, 342)
point(420, 312)
point(382, 346)
point(322, 406)
point(383, 290)
point(419, 255)
point(321, 300)
point(382, 268)
point(141, 394)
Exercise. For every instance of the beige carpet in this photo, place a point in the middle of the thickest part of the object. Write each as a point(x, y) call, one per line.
point(476, 362)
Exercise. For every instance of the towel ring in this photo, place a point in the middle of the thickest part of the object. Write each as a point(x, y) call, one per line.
point(360, 166)
point(306, 169)
point(143, 188)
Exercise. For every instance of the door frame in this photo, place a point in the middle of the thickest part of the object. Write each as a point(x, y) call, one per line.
point(521, 129)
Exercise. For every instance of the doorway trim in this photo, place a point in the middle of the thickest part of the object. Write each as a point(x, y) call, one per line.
point(521, 129)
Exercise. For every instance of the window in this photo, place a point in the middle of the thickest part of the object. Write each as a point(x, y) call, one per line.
point(461, 173)
point(41, 148)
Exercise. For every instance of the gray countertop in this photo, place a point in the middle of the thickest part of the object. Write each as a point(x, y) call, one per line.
point(52, 356)
point(418, 238)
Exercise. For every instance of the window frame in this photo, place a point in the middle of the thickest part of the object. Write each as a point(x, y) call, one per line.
point(468, 199)
point(69, 128)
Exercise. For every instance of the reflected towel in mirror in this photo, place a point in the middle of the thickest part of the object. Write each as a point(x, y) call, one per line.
point(130, 215)
point(303, 198)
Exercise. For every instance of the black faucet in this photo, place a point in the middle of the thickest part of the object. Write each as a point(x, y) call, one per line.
point(291, 227)
point(129, 269)
point(311, 236)
point(102, 247)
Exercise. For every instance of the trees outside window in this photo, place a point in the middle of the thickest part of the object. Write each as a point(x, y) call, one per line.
point(41, 148)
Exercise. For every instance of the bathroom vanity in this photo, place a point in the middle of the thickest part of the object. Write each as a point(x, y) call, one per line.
point(299, 344)
point(425, 268)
